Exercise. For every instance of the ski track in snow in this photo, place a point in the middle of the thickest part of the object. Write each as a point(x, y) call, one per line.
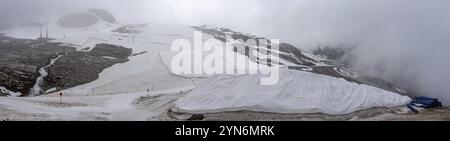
point(118, 107)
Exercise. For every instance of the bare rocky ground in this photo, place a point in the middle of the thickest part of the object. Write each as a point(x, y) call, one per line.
point(20, 60)
point(77, 68)
point(438, 114)
point(375, 114)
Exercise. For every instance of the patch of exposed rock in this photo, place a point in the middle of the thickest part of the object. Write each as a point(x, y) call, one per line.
point(77, 68)
point(77, 20)
point(86, 18)
point(20, 60)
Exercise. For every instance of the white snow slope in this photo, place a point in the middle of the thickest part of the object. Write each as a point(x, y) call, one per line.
point(118, 107)
point(141, 72)
point(297, 92)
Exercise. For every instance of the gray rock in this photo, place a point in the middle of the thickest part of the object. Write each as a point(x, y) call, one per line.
point(77, 68)
point(20, 60)
point(77, 20)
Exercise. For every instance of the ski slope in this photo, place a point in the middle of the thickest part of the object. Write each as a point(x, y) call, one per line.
point(121, 107)
point(141, 72)
point(113, 93)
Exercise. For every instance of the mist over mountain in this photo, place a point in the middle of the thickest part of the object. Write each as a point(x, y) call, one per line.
point(401, 41)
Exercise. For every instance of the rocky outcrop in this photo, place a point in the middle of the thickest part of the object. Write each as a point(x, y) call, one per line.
point(86, 18)
point(79, 68)
point(340, 54)
point(77, 20)
point(21, 59)
point(288, 51)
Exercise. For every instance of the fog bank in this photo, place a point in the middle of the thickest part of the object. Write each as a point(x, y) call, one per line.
point(402, 41)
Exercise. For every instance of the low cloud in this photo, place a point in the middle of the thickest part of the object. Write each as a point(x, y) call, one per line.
point(402, 41)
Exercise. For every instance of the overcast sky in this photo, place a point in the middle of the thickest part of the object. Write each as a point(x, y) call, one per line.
point(405, 41)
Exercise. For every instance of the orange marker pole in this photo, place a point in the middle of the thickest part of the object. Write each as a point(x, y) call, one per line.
point(60, 97)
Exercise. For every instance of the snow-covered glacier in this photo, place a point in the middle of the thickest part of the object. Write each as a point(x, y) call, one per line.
point(297, 92)
point(307, 83)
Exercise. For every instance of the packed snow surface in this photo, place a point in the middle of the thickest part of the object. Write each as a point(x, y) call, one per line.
point(119, 85)
point(118, 107)
point(297, 92)
point(143, 71)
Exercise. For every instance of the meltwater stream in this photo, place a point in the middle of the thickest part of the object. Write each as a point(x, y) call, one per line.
point(37, 90)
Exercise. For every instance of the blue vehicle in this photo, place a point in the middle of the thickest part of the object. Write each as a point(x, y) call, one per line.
point(424, 102)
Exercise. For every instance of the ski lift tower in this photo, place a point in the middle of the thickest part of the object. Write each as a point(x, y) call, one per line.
point(46, 33)
point(40, 32)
